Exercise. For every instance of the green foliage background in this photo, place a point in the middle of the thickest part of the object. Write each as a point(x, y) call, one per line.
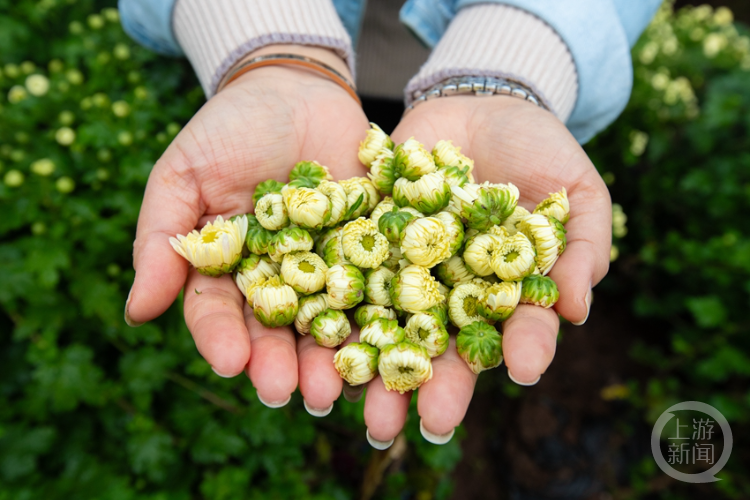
point(94, 409)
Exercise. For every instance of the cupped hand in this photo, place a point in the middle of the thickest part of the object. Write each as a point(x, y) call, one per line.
point(255, 129)
point(514, 141)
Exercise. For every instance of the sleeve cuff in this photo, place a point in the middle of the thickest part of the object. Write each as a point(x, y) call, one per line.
point(216, 35)
point(503, 41)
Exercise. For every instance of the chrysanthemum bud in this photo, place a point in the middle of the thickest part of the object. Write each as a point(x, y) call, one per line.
point(427, 330)
point(333, 252)
point(307, 208)
point(310, 170)
point(480, 345)
point(258, 237)
point(330, 328)
point(413, 211)
point(373, 196)
point(454, 271)
point(545, 238)
point(556, 206)
point(454, 229)
point(560, 233)
point(357, 199)
point(378, 285)
point(357, 363)
point(309, 307)
point(428, 194)
point(254, 269)
point(440, 310)
point(289, 239)
point(425, 242)
point(413, 289)
point(463, 302)
point(375, 142)
point(265, 187)
point(540, 291)
point(455, 176)
point(271, 212)
point(304, 271)
point(383, 172)
point(394, 257)
point(448, 155)
point(478, 252)
point(511, 223)
point(275, 303)
point(345, 286)
point(485, 205)
point(363, 244)
point(369, 312)
point(385, 205)
point(337, 196)
point(404, 366)
point(514, 260)
point(500, 300)
point(217, 249)
point(392, 224)
point(413, 160)
point(381, 332)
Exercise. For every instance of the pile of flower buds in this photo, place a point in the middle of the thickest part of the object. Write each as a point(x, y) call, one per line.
point(437, 250)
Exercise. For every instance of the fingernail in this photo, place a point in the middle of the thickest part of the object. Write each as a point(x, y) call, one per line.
point(275, 404)
point(435, 438)
point(353, 393)
point(317, 413)
point(221, 374)
point(588, 308)
point(130, 322)
point(378, 445)
point(526, 384)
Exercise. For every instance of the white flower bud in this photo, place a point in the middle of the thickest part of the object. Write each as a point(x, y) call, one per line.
point(404, 366)
point(304, 271)
point(271, 212)
point(254, 269)
point(357, 363)
point(454, 229)
point(478, 253)
point(385, 205)
point(369, 312)
point(414, 289)
point(381, 332)
point(463, 302)
point(274, 303)
point(309, 307)
point(413, 160)
point(289, 239)
point(357, 198)
point(337, 195)
point(557, 206)
point(511, 223)
point(374, 143)
point(514, 260)
point(448, 155)
point(453, 271)
point(330, 328)
point(217, 249)
point(345, 286)
point(378, 285)
point(364, 246)
point(307, 208)
point(500, 300)
point(427, 330)
point(425, 242)
point(546, 239)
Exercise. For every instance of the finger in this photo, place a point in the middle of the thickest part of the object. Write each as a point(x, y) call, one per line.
point(214, 316)
point(443, 401)
point(170, 207)
point(273, 365)
point(585, 260)
point(385, 411)
point(319, 382)
point(529, 342)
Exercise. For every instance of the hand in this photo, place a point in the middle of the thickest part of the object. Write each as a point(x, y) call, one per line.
point(510, 141)
point(255, 129)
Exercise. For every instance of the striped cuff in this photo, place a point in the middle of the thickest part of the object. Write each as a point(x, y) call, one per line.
point(215, 35)
point(503, 41)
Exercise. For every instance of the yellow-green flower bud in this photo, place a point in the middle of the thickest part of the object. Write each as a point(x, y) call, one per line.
point(217, 249)
point(480, 345)
point(463, 302)
point(392, 224)
point(448, 155)
point(311, 171)
point(400, 187)
point(288, 240)
point(330, 328)
point(485, 205)
point(274, 303)
point(357, 199)
point(454, 271)
point(378, 285)
point(440, 310)
point(413, 289)
point(363, 244)
point(258, 237)
point(307, 208)
point(369, 313)
point(428, 194)
point(254, 269)
point(454, 229)
point(478, 252)
point(514, 260)
point(385, 205)
point(265, 187)
point(427, 330)
point(560, 233)
point(404, 366)
point(345, 286)
point(309, 307)
point(333, 253)
point(375, 142)
point(383, 172)
point(557, 206)
point(324, 237)
point(540, 291)
point(381, 332)
point(304, 271)
point(357, 363)
point(271, 212)
point(511, 223)
point(545, 237)
point(373, 196)
point(412, 160)
point(455, 176)
point(337, 195)
point(500, 300)
point(394, 257)
point(425, 242)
